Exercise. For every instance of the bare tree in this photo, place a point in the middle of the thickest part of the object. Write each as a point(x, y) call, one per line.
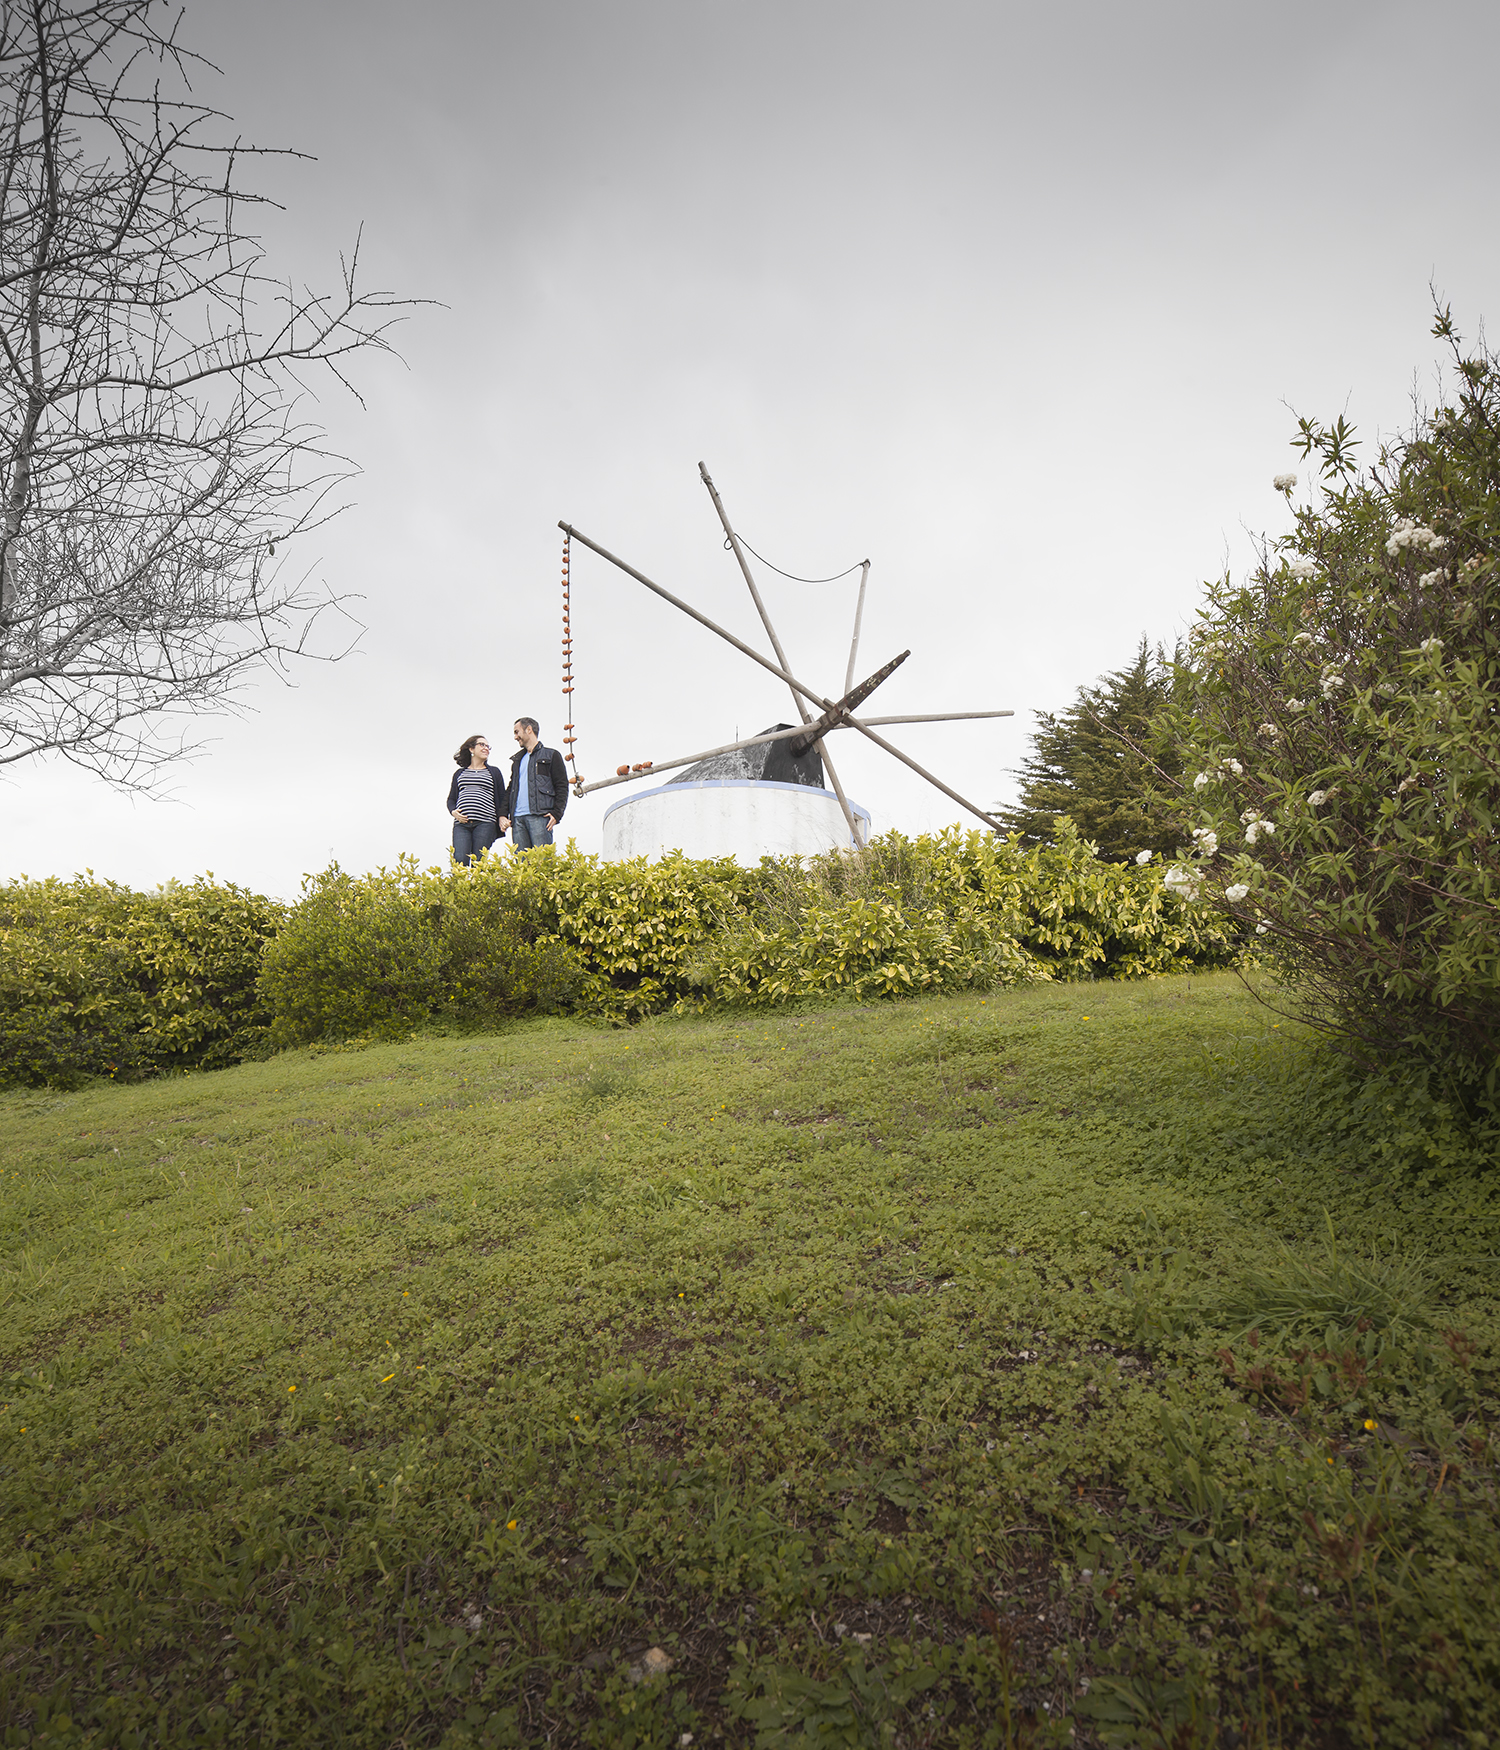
point(152, 375)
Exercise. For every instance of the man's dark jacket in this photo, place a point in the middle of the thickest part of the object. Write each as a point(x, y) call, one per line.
point(547, 782)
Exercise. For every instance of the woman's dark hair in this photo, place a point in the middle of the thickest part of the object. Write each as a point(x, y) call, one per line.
point(462, 757)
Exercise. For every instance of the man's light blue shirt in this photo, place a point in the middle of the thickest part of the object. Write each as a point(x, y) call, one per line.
point(523, 786)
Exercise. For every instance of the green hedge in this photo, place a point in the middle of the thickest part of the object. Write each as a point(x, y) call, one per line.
point(952, 911)
point(378, 954)
point(623, 940)
point(97, 980)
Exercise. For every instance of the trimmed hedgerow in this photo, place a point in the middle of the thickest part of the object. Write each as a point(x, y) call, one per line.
point(954, 911)
point(96, 980)
point(376, 955)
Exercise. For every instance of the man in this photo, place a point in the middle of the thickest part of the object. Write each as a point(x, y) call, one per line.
point(538, 789)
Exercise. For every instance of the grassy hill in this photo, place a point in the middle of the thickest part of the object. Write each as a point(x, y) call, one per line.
point(1061, 1367)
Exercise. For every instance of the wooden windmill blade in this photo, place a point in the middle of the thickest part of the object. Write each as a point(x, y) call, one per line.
point(650, 768)
point(765, 619)
point(833, 713)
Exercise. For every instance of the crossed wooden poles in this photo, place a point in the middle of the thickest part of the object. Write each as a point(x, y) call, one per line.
point(834, 713)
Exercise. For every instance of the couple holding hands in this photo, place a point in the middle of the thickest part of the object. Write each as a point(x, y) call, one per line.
point(484, 806)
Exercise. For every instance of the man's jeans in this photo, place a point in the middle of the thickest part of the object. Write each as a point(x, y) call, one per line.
point(527, 830)
point(471, 837)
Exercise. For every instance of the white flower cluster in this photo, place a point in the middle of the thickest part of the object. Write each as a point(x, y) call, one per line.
point(1471, 564)
point(1317, 798)
point(1144, 857)
point(1284, 482)
point(1206, 778)
point(1431, 645)
point(1208, 841)
point(1269, 730)
point(1303, 638)
point(1301, 567)
point(1236, 893)
point(1185, 883)
point(1331, 682)
point(1409, 533)
point(1296, 704)
point(1406, 784)
point(1257, 826)
point(1428, 578)
point(1262, 927)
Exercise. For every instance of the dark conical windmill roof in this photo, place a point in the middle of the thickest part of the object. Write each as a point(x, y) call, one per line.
point(770, 762)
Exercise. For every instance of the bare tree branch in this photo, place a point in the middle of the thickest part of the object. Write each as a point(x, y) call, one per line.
point(153, 452)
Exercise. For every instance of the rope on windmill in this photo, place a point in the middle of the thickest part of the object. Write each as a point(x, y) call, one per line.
point(790, 575)
point(569, 738)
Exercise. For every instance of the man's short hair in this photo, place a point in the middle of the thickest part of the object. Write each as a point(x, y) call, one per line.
point(531, 723)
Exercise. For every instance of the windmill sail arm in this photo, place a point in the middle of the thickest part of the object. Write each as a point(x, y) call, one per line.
point(931, 717)
point(781, 675)
point(690, 759)
point(702, 619)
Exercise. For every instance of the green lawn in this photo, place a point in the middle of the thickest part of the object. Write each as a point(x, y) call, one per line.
point(1050, 1368)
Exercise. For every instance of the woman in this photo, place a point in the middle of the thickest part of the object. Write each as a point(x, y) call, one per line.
point(474, 799)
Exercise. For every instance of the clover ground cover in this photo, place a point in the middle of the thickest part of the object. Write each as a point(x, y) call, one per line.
point(1041, 1368)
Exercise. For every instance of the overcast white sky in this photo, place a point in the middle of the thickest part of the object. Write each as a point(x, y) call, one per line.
point(1011, 299)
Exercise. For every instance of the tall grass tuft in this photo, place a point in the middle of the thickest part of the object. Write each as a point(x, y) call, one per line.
point(1334, 1292)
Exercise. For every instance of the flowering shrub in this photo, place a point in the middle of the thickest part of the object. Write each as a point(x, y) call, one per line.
point(98, 980)
point(1343, 714)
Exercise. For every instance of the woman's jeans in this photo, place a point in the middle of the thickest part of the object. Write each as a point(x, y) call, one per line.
point(527, 830)
point(471, 837)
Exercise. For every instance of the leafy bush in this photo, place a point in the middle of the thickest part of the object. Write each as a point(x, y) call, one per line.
point(1343, 720)
point(98, 980)
point(641, 928)
point(1085, 918)
point(380, 954)
point(503, 955)
point(358, 955)
point(953, 911)
point(866, 946)
point(377, 955)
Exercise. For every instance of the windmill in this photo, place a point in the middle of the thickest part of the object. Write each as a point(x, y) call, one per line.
point(728, 798)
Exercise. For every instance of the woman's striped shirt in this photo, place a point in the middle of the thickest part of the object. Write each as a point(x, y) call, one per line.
point(476, 794)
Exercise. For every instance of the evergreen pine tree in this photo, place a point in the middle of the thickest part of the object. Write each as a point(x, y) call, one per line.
point(1105, 764)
